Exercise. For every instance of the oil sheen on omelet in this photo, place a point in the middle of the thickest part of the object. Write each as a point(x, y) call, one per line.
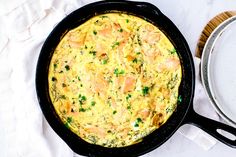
point(114, 79)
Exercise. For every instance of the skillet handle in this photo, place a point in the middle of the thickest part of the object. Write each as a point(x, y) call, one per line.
point(211, 126)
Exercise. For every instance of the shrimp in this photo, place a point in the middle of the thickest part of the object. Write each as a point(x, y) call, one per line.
point(144, 113)
point(149, 35)
point(172, 63)
point(100, 132)
point(100, 84)
point(77, 41)
point(129, 84)
point(169, 64)
point(100, 48)
point(106, 31)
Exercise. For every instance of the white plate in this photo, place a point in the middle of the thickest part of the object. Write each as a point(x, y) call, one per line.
point(218, 69)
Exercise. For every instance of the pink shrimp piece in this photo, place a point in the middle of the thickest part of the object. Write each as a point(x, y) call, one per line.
point(129, 84)
point(144, 113)
point(77, 41)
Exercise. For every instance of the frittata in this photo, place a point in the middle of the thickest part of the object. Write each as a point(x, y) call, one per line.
point(114, 79)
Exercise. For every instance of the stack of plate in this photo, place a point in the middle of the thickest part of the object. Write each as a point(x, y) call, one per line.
point(218, 69)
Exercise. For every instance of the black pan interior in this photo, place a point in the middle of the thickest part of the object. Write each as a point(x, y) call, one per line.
point(151, 14)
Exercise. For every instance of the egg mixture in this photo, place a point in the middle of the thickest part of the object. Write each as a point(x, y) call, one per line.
point(114, 79)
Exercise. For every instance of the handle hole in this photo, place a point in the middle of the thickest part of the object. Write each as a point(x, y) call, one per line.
point(226, 134)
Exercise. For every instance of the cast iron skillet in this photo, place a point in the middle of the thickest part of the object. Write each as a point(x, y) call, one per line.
point(184, 113)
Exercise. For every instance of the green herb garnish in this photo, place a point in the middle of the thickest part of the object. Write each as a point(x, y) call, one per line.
point(69, 119)
point(179, 100)
point(55, 65)
point(118, 72)
point(114, 112)
point(135, 60)
point(93, 53)
point(104, 61)
point(145, 90)
point(82, 110)
point(82, 99)
point(128, 97)
point(95, 32)
point(173, 51)
point(137, 122)
point(120, 30)
point(67, 67)
point(63, 97)
point(129, 107)
point(93, 103)
point(115, 44)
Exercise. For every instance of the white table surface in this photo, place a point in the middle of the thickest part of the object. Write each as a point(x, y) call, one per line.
point(190, 16)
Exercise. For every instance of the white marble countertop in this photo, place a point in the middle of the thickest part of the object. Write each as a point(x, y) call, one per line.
point(191, 17)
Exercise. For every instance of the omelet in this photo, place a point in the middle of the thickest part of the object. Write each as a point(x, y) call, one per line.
point(114, 79)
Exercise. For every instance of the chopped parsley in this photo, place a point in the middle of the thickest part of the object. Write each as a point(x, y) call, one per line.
point(137, 122)
point(127, 20)
point(139, 40)
point(82, 110)
point(129, 107)
point(63, 97)
point(104, 61)
point(115, 44)
point(128, 97)
point(55, 65)
point(93, 53)
point(69, 119)
point(145, 91)
point(179, 100)
point(93, 103)
point(79, 78)
point(120, 30)
point(138, 53)
point(67, 67)
point(118, 72)
point(135, 60)
point(114, 112)
point(82, 99)
point(173, 51)
point(95, 32)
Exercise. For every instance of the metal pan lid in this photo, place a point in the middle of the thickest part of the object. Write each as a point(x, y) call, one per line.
point(218, 69)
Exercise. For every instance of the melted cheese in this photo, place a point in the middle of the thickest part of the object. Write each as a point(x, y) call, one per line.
point(114, 79)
